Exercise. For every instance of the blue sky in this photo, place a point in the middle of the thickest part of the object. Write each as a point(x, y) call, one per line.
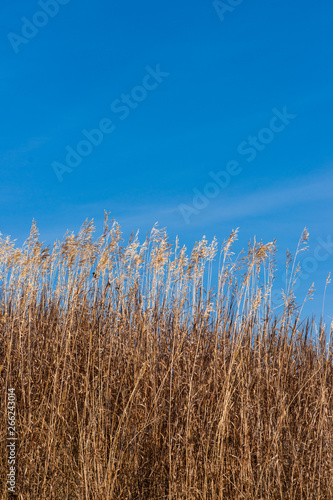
point(179, 92)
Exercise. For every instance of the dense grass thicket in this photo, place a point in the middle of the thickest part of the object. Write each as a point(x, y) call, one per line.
point(135, 380)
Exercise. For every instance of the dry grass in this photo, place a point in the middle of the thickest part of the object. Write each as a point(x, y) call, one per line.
point(132, 382)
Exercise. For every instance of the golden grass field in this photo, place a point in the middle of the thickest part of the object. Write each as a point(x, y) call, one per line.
point(135, 380)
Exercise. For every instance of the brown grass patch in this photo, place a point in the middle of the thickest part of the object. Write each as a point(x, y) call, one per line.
point(132, 382)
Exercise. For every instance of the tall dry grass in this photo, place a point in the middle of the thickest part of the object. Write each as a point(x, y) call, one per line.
point(135, 380)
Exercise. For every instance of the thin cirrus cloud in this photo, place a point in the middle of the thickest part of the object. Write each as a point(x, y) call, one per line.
point(307, 189)
point(263, 202)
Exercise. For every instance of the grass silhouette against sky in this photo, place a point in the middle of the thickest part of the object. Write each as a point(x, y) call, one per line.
point(178, 94)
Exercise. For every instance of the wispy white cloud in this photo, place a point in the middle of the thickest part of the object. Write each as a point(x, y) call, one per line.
point(136, 212)
point(263, 202)
point(295, 191)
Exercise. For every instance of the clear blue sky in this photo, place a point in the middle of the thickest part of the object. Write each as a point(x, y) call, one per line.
point(209, 119)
